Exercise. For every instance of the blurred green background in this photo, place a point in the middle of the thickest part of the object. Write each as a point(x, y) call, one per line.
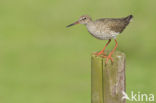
point(41, 61)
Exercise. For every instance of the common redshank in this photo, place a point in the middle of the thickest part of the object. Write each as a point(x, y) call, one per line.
point(104, 29)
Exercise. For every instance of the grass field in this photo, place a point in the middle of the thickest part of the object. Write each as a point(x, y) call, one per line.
point(41, 61)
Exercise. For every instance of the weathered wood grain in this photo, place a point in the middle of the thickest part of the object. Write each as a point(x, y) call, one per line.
point(108, 81)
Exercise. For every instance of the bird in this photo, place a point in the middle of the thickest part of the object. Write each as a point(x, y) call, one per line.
point(104, 29)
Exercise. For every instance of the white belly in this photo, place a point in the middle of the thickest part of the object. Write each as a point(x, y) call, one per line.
point(103, 34)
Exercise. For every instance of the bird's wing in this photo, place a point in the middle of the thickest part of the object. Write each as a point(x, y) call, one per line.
point(116, 25)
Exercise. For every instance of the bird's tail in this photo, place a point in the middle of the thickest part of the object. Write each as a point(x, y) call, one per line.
point(128, 18)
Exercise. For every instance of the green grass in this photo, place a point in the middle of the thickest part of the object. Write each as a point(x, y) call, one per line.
point(41, 61)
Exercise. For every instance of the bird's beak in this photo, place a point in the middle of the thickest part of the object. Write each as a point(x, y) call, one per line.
point(77, 22)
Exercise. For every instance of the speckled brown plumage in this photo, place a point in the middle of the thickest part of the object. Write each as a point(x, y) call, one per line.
point(105, 28)
point(118, 24)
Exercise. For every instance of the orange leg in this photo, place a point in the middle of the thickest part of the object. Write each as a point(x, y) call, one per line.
point(110, 54)
point(102, 51)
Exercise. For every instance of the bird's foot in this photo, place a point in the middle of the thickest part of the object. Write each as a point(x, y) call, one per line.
point(107, 59)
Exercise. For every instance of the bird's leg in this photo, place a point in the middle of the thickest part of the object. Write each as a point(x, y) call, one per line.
point(102, 51)
point(110, 54)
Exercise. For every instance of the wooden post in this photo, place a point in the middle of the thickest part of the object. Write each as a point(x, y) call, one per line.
point(108, 81)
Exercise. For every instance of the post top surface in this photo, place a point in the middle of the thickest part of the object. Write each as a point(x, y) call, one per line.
point(116, 54)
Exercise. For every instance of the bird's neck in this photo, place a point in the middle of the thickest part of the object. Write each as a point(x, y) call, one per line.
point(91, 27)
point(90, 23)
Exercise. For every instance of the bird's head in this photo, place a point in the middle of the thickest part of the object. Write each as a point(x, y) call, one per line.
point(82, 20)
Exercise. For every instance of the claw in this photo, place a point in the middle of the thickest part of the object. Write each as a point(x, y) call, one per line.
point(107, 58)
